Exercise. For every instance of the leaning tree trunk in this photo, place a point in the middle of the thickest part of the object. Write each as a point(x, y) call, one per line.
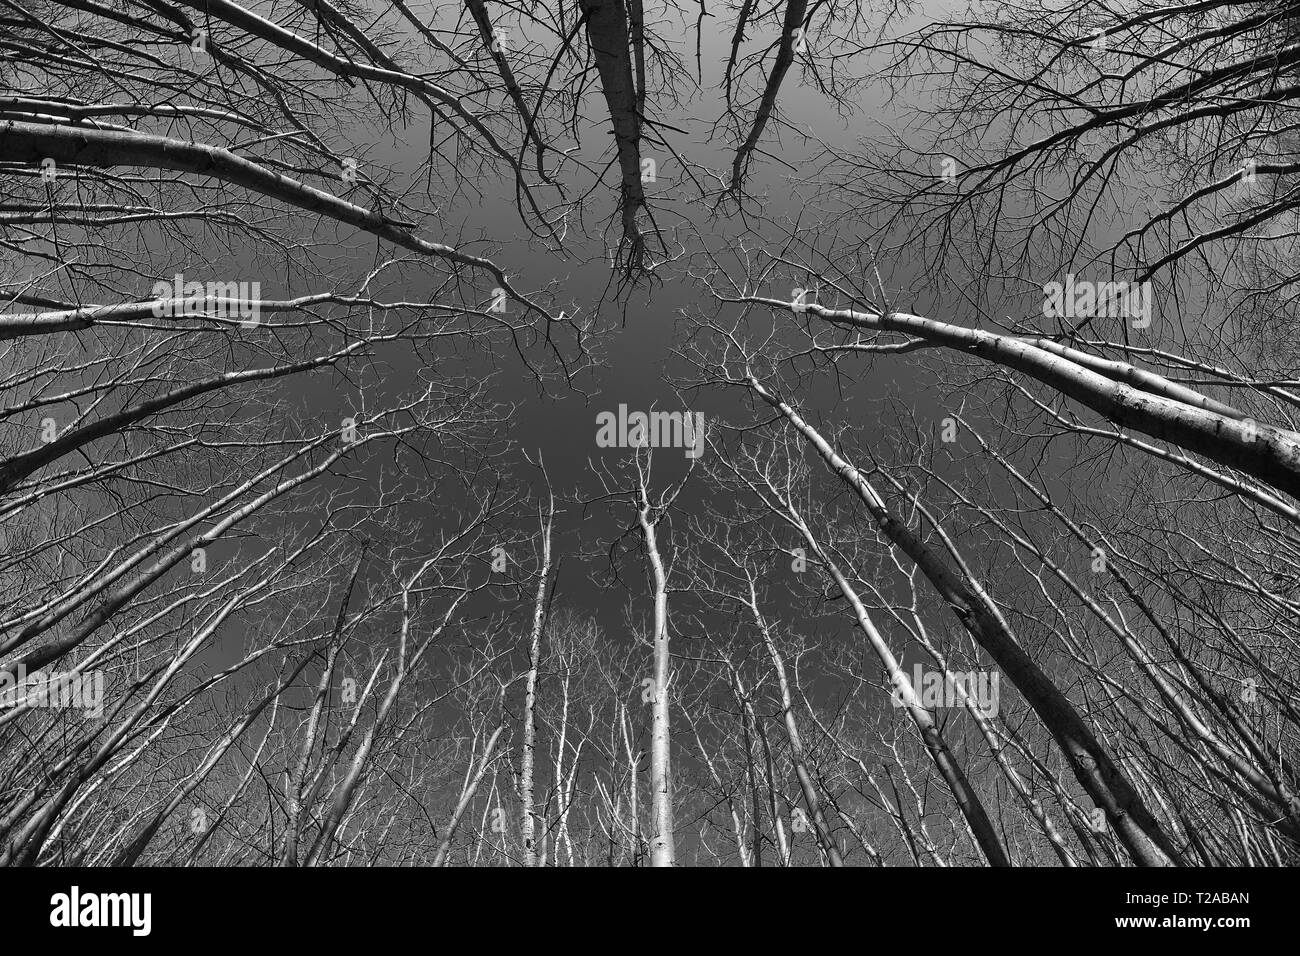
point(1093, 765)
point(815, 814)
point(968, 801)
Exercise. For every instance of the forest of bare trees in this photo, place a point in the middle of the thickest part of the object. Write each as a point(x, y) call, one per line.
point(596, 433)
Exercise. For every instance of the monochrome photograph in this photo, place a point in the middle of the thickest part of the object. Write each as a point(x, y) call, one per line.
point(593, 434)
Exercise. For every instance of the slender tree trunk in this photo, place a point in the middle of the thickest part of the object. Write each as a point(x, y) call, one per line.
point(792, 23)
point(662, 852)
point(527, 759)
point(815, 814)
point(1096, 771)
point(295, 785)
point(466, 797)
point(967, 800)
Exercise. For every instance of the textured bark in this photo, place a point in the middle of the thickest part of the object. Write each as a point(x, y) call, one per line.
point(662, 845)
point(1121, 393)
point(528, 755)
